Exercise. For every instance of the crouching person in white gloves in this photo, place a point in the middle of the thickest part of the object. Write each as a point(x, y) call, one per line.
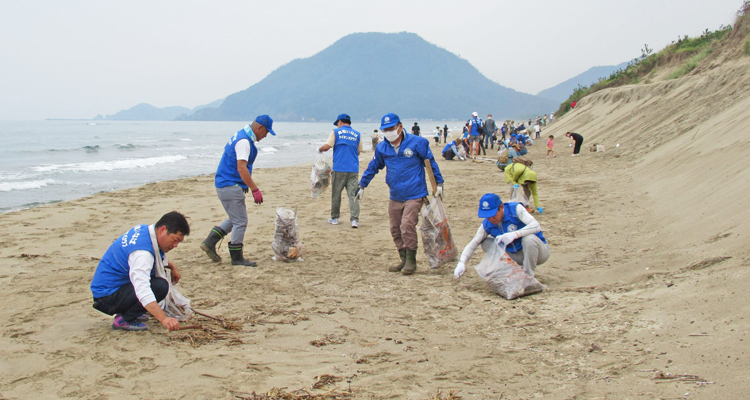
point(509, 224)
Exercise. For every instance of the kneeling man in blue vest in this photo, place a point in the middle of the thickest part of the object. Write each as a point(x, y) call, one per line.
point(507, 224)
point(125, 283)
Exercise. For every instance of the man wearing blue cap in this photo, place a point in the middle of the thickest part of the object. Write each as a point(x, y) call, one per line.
point(510, 225)
point(347, 145)
point(403, 155)
point(234, 178)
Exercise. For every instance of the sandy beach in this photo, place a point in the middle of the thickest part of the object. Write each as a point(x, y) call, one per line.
point(646, 283)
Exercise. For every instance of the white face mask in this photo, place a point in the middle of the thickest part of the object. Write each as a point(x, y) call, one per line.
point(391, 136)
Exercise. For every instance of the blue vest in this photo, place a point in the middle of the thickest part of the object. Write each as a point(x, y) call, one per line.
point(226, 173)
point(474, 127)
point(510, 223)
point(113, 270)
point(345, 150)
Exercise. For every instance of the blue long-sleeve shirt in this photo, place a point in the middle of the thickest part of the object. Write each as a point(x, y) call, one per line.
point(405, 170)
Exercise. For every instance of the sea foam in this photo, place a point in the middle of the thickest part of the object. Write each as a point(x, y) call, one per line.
point(129, 163)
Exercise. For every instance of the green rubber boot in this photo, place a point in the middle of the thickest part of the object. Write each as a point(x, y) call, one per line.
point(400, 266)
point(209, 245)
point(410, 266)
point(235, 251)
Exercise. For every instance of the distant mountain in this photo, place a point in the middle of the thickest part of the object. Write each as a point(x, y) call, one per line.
point(370, 74)
point(213, 104)
point(147, 112)
point(561, 92)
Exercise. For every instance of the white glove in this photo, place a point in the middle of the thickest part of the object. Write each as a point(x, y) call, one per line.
point(439, 191)
point(506, 238)
point(460, 269)
point(360, 193)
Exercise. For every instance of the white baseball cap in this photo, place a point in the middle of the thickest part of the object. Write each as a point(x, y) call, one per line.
point(474, 114)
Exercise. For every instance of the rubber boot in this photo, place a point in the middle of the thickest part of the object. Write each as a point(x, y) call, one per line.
point(209, 245)
point(235, 251)
point(400, 266)
point(410, 266)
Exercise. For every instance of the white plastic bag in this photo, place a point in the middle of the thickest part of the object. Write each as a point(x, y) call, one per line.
point(437, 240)
point(286, 245)
point(175, 305)
point(321, 174)
point(518, 195)
point(504, 276)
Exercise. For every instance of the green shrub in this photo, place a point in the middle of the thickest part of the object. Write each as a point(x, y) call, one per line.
point(746, 48)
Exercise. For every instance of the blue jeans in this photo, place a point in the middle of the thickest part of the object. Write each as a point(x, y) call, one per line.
point(125, 302)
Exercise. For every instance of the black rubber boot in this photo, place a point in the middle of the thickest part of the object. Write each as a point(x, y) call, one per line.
point(410, 266)
point(209, 245)
point(235, 251)
point(400, 266)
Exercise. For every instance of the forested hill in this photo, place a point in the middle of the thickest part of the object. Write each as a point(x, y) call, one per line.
point(370, 74)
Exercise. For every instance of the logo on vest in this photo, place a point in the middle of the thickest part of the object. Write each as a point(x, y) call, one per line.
point(512, 228)
point(408, 153)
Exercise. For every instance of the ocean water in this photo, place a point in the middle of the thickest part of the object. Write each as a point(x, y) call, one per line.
point(50, 161)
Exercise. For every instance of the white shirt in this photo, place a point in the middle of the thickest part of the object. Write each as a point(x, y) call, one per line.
point(532, 227)
point(242, 149)
point(141, 263)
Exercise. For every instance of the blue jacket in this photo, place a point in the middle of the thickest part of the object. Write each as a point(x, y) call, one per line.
point(226, 173)
point(475, 124)
point(405, 174)
point(113, 270)
point(346, 149)
point(510, 223)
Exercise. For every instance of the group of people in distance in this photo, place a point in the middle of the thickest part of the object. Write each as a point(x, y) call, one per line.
point(126, 285)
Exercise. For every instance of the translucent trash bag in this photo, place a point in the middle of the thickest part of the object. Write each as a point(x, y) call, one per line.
point(320, 177)
point(518, 195)
point(504, 276)
point(437, 240)
point(286, 244)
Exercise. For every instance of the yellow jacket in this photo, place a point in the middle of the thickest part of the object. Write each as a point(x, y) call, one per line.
point(520, 174)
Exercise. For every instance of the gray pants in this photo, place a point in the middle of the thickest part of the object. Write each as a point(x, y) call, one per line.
point(339, 181)
point(233, 200)
point(534, 252)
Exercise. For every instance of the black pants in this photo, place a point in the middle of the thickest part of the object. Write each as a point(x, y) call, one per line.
point(481, 147)
point(125, 302)
point(449, 155)
point(577, 147)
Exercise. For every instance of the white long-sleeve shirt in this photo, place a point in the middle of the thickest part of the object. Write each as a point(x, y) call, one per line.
point(532, 227)
point(141, 263)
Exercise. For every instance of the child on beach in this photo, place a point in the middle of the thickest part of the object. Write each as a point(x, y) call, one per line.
point(551, 146)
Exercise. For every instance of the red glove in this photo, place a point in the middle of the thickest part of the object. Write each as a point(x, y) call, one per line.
point(258, 196)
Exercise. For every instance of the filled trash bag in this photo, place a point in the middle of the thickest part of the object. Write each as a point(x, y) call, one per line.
point(504, 276)
point(321, 174)
point(437, 240)
point(286, 245)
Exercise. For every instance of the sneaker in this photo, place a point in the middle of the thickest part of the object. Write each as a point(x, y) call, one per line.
point(134, 325)
point(333, 221)
point(355, 224)
point(142, 317)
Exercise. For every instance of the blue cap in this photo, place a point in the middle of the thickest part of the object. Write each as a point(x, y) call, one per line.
point(344, 117)
point(389, 120)
point(267, 123)
point(488, 205)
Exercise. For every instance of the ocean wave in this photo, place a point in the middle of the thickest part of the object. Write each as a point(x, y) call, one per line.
point(24, 185)
point(186, 140)
point(129, 146)
point(91, 149)
point(268, 149)
point(129, 163)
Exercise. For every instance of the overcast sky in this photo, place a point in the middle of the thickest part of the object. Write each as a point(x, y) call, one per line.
point(76, 59)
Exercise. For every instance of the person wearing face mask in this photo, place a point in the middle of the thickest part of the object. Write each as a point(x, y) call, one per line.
point(234, 178)
point(403, 156)
point(511, 225)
